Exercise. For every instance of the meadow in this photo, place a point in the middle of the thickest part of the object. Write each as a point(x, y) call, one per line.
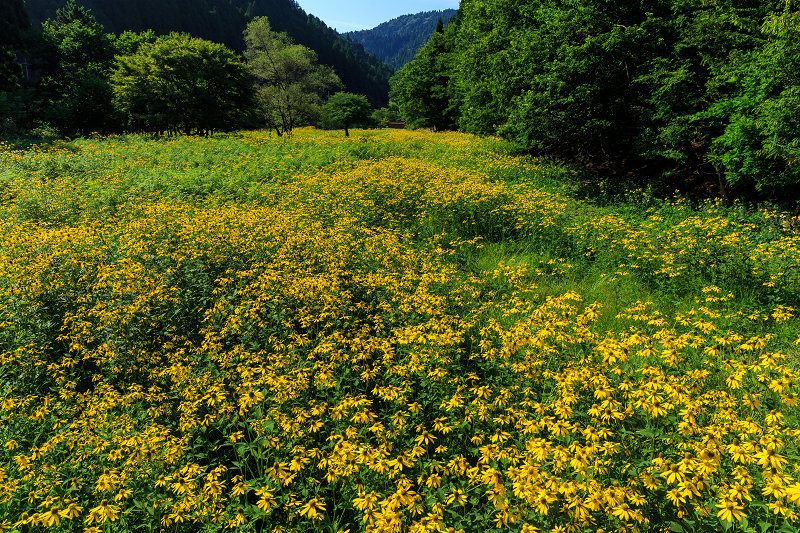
point(394, 332)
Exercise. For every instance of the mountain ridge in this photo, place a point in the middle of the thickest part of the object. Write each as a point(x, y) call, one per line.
point(397, 41)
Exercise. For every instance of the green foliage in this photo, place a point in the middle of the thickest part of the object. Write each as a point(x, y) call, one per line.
point(554, 77)
point(291, 83)
point(397, 41)
point(760, 145)
point(75, 89)
point(223, 21)
point(682, 89)
point(128, 42)
point(423, 90)
point(183, 84)
point(687, 93)
point(77, 38)
point(347, 109)
point(384, 116)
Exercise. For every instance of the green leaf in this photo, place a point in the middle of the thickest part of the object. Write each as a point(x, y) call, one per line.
point(676, 527)
point(647, 432)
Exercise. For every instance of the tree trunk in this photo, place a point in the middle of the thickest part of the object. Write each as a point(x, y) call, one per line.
point(722, 189)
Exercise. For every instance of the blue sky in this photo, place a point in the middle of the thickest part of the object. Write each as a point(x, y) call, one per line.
point(350, 15)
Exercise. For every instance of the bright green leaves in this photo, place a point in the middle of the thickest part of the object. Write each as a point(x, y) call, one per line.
point(290, 82)
point(346, 109)
point(760, 145)
point(75, 86)
point(183, 84)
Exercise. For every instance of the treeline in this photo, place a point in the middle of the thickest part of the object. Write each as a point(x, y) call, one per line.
point(397, 41)
point(84, 80)
point(223, 21)
point(675, 93)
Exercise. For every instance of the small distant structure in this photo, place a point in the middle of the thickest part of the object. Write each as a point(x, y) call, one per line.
point(399, 125)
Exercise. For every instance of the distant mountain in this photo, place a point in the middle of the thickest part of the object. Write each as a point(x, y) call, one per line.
point(397, 42)
point(224, 21)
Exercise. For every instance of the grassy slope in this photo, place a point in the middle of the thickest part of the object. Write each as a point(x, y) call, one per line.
point(384, 329)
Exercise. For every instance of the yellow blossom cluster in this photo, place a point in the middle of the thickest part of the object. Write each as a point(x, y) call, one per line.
point(302, 341)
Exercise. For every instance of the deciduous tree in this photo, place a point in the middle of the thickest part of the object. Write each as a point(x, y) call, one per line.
point(290, 82)
point(347, 109)
point(760, 145)
point(423, 89)
point(675, 92)
point(183, 84)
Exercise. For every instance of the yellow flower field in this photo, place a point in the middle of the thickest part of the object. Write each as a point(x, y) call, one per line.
point(250, 333)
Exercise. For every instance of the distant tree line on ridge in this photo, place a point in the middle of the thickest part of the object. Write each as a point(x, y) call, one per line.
point(397, 41)
point(693, 93)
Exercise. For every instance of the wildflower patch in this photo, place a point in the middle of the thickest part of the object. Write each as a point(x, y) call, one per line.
point(318, 347)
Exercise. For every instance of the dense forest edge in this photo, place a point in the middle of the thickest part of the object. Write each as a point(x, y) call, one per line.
point(223, 21)
point(701, 96)
point(698, 97)
point(69, 76)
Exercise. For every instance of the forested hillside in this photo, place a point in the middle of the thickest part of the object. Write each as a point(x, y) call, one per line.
point(13, 21)
point(13, 25)
point(223, 21)
point(692, 93)
point(397, 41)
